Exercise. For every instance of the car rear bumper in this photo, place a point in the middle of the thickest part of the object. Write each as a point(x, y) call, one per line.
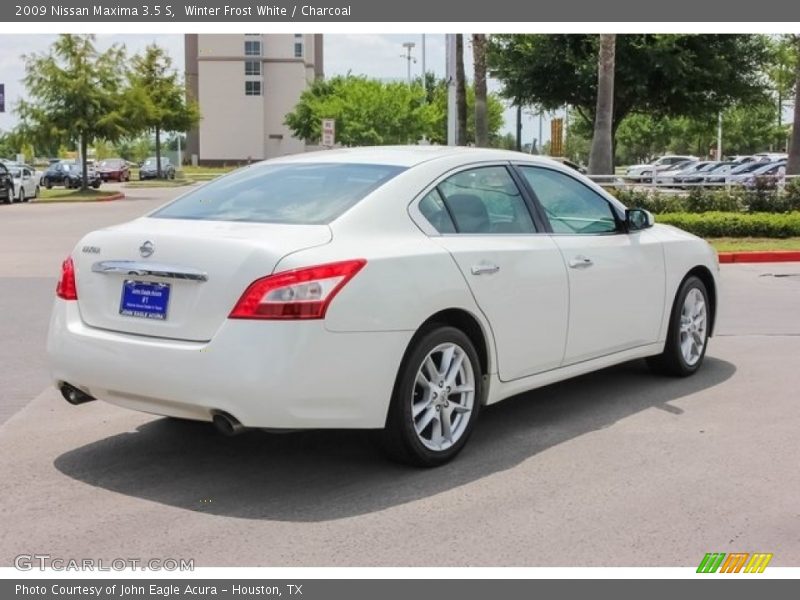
point(272, 374)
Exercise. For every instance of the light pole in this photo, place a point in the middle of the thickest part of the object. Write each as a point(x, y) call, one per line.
point(423, 60)
point(409, 46)
point(452, 117)
point(719, 137)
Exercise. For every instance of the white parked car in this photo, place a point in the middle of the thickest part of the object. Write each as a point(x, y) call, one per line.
point(397, 289)
point(645, 172)
point(26, 182)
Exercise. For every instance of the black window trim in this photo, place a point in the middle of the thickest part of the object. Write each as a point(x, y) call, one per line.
point(619, 218)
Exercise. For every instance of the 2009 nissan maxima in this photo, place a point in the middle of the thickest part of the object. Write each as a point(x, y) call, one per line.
point(398, 289)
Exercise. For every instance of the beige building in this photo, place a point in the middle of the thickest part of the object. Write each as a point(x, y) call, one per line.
point(245, 85)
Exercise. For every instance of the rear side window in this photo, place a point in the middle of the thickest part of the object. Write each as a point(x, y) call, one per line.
point(300, 193)
point(483, 200)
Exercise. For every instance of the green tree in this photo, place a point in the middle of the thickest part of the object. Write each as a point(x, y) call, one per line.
point(663, 75)
point(373, 112)
point(74, 94)
point(601, 158)
point(437, 126)
point(781, 72)
point(367, 111)
point(156, 98)
point(793, 166)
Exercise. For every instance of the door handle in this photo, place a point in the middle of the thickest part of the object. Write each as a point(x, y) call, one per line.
point(484, 269)
point(580, 262)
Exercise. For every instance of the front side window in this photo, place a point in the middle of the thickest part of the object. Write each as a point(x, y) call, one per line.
point(252, 48)
point(485, 200)
point(301, 193)
point(571, 207)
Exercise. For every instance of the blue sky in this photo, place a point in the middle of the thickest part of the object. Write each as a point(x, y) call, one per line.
point(362, 54)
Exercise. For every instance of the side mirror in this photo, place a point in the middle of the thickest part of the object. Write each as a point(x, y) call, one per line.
point(637, 219)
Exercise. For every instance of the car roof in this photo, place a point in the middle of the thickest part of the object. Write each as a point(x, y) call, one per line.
point(406, 156)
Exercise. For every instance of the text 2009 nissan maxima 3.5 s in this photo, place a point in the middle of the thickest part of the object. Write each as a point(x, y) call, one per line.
point(398, 289)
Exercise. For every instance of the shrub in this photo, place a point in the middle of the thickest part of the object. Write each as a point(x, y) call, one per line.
point(654, 201)
point(732, 224)
point(761, 199)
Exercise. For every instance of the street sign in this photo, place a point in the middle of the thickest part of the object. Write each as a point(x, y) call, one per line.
point(328, 132)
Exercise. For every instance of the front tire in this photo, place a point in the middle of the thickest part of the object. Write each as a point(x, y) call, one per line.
point(687, 338)
point(436, 399)
point(21, 197)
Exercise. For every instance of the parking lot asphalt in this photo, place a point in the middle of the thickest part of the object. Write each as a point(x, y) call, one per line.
point(616, 468)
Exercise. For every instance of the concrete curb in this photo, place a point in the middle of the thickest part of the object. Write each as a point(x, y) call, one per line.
point(760, 256)
point(116, 196)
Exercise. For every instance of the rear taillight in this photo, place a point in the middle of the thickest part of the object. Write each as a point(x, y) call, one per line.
point(299, 294)
point(66, 288)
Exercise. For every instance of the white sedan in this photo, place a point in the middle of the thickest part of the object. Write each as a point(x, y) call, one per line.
point(397, 289)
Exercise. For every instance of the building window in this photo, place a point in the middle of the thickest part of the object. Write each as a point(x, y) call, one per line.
point(252, 48)
point(252, 67)
point(252, 88)
point(298, 45)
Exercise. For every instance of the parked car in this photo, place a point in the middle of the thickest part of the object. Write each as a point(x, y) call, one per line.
point(667, 176)
point(69, 174)
point(738, 173)
point(6, 185)
point(277, 302)
point(569, 163)
point(768, 175)
point(771, 156)
point(740, 159)
point(148, 169)
point(709, 174)
point(645, 172)
point(114, 169)
point(25, 184)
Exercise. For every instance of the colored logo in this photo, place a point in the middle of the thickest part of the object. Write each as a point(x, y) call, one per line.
point(736, 562)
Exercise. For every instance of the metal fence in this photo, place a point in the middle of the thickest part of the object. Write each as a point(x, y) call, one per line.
point(764, 182)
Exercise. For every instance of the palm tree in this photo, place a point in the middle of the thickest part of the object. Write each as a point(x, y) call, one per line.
point(481, 116)
point(601, 159)
point(461, 92)
point(793, 166)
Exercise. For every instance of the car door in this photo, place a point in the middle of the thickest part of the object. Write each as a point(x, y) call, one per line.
point(28, 184)
point(616, 279)
point(515, 273)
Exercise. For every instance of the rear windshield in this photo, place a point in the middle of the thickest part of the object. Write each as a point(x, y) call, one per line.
point(299, 193)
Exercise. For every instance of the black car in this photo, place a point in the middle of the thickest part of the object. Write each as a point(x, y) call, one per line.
point(148, 169)
point(6, 185)
point(69, 175)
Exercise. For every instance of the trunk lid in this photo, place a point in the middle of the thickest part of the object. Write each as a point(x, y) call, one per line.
point(206, 265)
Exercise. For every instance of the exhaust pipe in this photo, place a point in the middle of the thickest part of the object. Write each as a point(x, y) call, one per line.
point(227, 424)
point(75, 396)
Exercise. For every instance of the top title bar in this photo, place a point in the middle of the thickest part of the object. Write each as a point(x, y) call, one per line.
point(706, 11)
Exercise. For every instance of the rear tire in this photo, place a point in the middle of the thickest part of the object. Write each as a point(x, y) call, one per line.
point(687, 337)
point(436, 398)
point(21, 197)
